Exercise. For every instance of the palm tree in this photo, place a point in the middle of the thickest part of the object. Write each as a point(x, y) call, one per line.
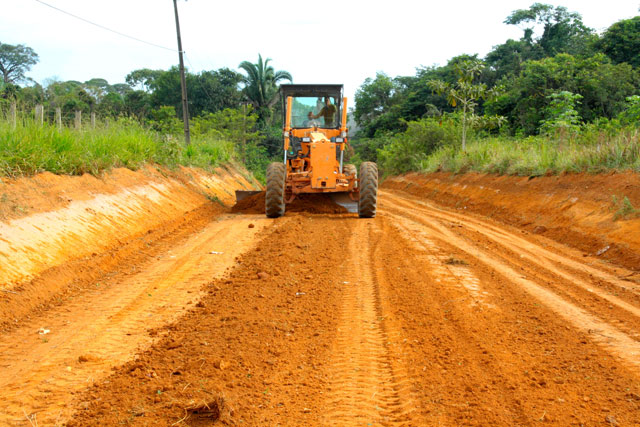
point(261, 82)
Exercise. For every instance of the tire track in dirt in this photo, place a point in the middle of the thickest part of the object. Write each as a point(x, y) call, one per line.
point(367, 386)
point(596, 289)
point(508, 360)
point(103, 328)
point(610, 337)
point(523, 245)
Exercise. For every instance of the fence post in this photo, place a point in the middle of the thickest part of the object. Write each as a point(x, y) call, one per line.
point(93, 120)
point(59, 118)
point(106, 123)
point(39, 114)
point(78, 120)
point(12, 114)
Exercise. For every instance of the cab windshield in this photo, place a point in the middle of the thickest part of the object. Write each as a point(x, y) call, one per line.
point(308, 112)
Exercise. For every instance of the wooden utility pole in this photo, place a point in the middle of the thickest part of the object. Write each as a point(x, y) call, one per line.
point(244, 133)
point(183, 80)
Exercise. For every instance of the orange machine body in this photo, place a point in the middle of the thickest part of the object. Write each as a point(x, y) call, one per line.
point(314, 163)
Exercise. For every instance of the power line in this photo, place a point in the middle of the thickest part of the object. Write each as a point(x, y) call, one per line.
point(105, 28)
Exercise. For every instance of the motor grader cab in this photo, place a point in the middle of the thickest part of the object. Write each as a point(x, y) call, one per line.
point(315, 139)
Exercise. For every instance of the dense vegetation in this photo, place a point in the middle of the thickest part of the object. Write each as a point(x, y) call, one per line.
point(562, 97)
point(234, 116)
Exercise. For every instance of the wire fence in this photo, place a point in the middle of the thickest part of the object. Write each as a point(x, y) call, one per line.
point(54, 116)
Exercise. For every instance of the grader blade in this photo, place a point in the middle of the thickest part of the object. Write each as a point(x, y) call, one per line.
point(344, 200)
point(241, 195)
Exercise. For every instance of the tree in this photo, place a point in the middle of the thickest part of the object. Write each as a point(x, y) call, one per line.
point(507, 58)
point(562, 117)
point(120, 88)
point(15, 61)
point(143, 78)
point(208, 91)
point(374, 98)
point(97, 88)
point(261, 84)
point(621, 42)
point(216, 90)
point(604, 87)
point(562, 31)
point(631, 114)
point(465, 94)
point(138, 103)
point(111, 104)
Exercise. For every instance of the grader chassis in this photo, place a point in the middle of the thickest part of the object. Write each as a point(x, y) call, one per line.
point(315, 139)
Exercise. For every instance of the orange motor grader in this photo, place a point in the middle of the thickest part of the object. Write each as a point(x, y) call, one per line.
point(315, 139)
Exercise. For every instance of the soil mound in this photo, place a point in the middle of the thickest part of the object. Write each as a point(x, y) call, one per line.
point(315, 203)
point(310, 203)
point(251, 205)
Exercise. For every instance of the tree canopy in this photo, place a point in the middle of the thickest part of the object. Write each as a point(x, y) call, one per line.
point(261, 82)
point(556, 53)
point(15, 61)
point(621, 42)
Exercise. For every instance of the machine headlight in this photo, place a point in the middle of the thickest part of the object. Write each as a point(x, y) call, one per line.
point(339, 139)
point(305, 139)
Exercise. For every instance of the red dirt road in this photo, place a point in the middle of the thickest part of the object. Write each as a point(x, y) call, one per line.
point(424, 315)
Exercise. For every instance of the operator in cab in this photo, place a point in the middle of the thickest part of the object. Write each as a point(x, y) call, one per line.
point(328, 112)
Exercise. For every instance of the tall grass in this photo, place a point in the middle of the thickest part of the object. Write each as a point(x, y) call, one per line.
point(540, 155)
point(29, 148)
point(430, 145)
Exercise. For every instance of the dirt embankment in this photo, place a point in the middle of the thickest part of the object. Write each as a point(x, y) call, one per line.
point(587, 212)
point(60, 233)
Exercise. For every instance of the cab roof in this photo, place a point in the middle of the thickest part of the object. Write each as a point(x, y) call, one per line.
point(311, 90)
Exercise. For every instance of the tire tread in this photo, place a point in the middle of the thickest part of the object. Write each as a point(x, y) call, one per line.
point(274, 197)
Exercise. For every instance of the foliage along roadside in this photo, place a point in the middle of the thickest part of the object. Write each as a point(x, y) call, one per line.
point(153, 98)
point(433, 144)
point(564, 100)
point(556, 52)
point(30, 148)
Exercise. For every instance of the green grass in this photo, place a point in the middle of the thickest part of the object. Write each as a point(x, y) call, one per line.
point(30, 148)
point(625, 210)
point(539, 155)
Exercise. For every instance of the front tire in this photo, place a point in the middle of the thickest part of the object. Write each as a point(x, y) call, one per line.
point(368, 190)
point(350, 169)
point(274, 196)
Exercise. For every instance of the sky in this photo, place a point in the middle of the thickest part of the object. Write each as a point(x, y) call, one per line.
point(333, 41)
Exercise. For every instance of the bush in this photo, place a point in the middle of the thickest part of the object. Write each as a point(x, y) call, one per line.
point(408, 150)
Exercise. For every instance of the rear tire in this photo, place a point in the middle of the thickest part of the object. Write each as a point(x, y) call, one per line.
point(274, 196)
point(368, 190)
